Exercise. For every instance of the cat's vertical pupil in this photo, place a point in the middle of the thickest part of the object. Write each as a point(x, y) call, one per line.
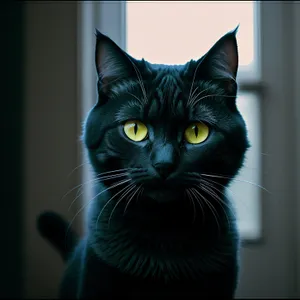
point(135, 128)
point(196, 131)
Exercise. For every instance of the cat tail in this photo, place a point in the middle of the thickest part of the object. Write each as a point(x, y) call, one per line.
point(57, 231)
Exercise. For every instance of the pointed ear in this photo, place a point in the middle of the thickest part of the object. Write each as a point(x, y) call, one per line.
point(220, 63)
point(112, 63)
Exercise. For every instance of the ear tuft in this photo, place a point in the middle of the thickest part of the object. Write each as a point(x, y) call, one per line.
point(235, 31)
point(112, 63)
point(220, 63)
point(222, 58)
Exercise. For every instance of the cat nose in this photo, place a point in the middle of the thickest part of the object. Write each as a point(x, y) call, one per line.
point(164, 169)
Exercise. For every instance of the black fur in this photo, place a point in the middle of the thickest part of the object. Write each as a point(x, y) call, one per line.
point(164, 241)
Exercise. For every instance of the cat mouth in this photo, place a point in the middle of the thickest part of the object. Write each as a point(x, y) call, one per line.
point(163, 193)
point(162, 190)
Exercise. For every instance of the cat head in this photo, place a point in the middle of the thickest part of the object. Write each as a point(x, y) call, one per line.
point(163, 127)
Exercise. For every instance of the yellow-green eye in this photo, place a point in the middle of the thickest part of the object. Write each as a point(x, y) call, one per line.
point(196, 133)
point(135, 130)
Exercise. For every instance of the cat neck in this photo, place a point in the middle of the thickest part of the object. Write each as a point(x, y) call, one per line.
point(152, 239)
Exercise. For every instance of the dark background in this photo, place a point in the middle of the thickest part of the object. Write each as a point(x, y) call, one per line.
point(12, 105)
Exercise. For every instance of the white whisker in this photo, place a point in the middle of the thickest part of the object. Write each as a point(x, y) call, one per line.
point(139, 194)
point(219, 184)
point(219, 201)
point(110, 201)
point(232, 178)
point(195, 97)
point(192, 201)
point(109, 177)
point(130, 188)
point(88, 202)
point(193, 81)
point(130, 199)
point(199, 202)
point(211, 207)
point(79, 166)
point(140, 101)
point(211, 95)
point(140, 79)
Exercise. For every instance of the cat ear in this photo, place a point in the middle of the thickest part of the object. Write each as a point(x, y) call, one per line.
point(112, 63)
point(220, 63)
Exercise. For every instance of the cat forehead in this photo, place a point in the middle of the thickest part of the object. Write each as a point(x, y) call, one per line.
point(166, 79)
point(154, 110)
point(163, 97)
point(154, 98)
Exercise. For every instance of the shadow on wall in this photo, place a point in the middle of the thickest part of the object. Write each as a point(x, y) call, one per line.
point(50, 136)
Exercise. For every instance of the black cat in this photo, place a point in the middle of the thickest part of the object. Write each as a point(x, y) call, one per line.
point(164, 143)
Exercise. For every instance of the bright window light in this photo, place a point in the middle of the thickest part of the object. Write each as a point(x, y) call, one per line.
point(176, 32)
point(245, 191)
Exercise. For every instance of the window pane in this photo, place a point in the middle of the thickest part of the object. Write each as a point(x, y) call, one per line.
point(244, 191)
point(175, 32)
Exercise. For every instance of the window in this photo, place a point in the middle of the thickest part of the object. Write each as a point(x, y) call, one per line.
point(175, 33)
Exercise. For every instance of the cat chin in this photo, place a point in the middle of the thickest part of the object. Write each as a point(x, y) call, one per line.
point(163, 196)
